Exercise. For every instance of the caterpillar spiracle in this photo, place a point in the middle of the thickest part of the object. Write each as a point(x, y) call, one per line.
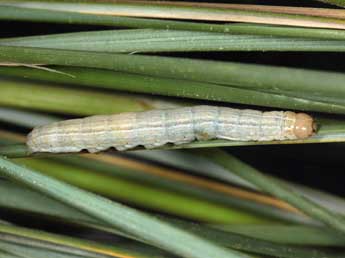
point(177, 126)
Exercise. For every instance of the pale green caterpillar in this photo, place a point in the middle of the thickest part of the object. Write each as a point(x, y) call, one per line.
point(178, 126)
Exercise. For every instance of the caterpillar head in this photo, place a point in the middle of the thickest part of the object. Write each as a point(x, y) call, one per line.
point(304, 126)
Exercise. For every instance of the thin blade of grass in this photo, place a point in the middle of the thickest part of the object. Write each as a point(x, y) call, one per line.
point(154, 231)
point(5, 254)
point(136, 41)
point(248, 76)
point(14, 150)
point(227, 239)
point(45, 97)
point(322, 12)
point(326, 200)
point(328, 238)
point(104, 79)
point(309, 96)
point(309, 11)
point(71, 245)
point(41, 15)
point(278, 189)
point(4, 222)
point(286, 234)
point(189, 160)
point(340, 3)
point(25, 118)
point(35, 252)
point(185, 12)
point(279, 31)
point(180, 182)
point(305, 235)
point(251, 244)
point(25, 201)
point(142, 194)
point(37, 15)
point(14, 196)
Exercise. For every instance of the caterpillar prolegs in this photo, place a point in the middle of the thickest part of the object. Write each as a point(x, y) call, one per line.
point(178, 126)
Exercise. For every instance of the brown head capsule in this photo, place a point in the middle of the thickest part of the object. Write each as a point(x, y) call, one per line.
point(298, 125)
point(304, 126)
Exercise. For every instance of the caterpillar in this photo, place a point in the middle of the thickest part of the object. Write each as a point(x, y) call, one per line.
point(155, 128)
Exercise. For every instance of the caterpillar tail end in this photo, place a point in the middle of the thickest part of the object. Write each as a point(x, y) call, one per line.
point(304, 126)
point(30, 142)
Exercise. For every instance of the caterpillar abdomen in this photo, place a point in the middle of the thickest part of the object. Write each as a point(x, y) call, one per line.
point(158, 127)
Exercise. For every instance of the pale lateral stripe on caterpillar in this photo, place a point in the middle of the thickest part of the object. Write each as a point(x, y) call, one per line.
point(158, 127)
